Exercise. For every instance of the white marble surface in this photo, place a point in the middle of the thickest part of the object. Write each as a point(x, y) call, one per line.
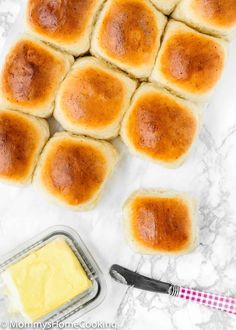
point(209, 174)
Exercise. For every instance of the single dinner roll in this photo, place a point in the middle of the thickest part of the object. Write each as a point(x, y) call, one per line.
point(161, 222)
point(93, 98)
point(160, 126)
point(22, 138)
point(66, 24)
point(166, 6)
point(127, 34)
point(216, 17)
point(189, 63)
point(31, 75)
point(73, 170)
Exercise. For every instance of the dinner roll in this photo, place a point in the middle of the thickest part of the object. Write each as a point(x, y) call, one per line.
point(127, 34)
point(93, 98)
point(160, 126)
point(214, 17)
point(189, 63)
point(73, 170)
point(31, 76)
point(161, 222)
point(65, 24)
point(22, 138)
point(166, 6)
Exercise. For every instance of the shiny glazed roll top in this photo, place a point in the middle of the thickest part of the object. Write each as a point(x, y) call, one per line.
point(161, 222)
point(93, 98)
point(128, 34)
point(159, 126)
point(73, 170)
point(31, 75)
point(22, 138)
point(67, 24)
point(216, 17)
point(189, 63)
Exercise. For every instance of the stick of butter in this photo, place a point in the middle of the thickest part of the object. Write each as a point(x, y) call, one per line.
point(45, 280)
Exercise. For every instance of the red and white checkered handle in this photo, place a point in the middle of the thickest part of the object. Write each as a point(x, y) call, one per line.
point(223, 303)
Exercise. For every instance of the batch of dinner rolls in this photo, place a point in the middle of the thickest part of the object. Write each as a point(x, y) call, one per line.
point(141, 69)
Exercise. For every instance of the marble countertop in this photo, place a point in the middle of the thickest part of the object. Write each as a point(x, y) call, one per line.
point(209, 174)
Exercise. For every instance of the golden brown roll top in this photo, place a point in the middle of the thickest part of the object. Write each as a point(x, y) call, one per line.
point(67, 24)
point(161, 222)
point(93, 98)
point(31, 75)
point(73, 170)
point(196, 69)
point(160, 126)
point(22, 138)
point(189, 62)
point(123, 32)
point(103, 106)
point(128, 34)
point(214, 17)
point(220, 13)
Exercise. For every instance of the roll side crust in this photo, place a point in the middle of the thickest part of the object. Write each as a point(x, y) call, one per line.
point(165, 6)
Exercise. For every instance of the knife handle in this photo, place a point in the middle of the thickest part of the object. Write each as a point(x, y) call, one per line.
point(128, 277)
point(223, 303)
